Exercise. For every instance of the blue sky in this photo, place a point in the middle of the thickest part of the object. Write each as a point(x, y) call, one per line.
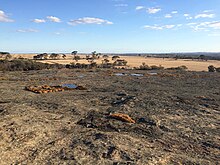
point(119, 26)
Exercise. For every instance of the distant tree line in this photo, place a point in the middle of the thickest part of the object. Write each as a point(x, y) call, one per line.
point(177, 56)
point(53, 56)
point(200, 57)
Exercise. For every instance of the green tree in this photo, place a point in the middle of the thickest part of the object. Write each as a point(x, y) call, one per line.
point(74, 52)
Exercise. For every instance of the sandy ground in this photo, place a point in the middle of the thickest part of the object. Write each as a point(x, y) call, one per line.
point(135, 61)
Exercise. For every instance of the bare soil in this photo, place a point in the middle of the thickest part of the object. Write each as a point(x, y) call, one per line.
point(177, 118)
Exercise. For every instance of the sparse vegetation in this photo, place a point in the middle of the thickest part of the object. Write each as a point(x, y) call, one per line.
point(63, 56)
point(105, 56)
point(96, 55)
point(76, 58)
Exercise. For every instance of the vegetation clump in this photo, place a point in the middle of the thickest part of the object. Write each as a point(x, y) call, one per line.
point(25, 65)
point(180, 68)
point(81, 66)
point(120, 62)
point(211, 68)
point(146, 67)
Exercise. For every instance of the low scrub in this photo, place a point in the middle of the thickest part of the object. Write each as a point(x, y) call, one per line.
point(146, 67)
point(181, 68)
point(81, 66)
point(25, 65)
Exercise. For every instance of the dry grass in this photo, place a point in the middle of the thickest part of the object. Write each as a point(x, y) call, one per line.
point(135, 61)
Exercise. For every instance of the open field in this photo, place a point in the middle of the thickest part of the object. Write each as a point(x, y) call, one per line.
point(176, 118)
point(135, 61)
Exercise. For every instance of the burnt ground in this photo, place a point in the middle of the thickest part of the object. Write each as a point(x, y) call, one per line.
point(177, 118)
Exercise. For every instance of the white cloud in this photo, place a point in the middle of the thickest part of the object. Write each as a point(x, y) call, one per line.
point(169, 26)
point(157, 27)
point(205, 26)
point(4, 17)
point(215, 25)
point(174, 12)
point(207, 11)
point(39, 21)
point(121, 5)
point(192, 23)
point(204, 15)
point(188, 16)
point(57, 33)
point(154, 27)
point(53, 19)
point(139, 8)
point(27, 30)
point(89, 20)
point(153, 10)
point(168, 16)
